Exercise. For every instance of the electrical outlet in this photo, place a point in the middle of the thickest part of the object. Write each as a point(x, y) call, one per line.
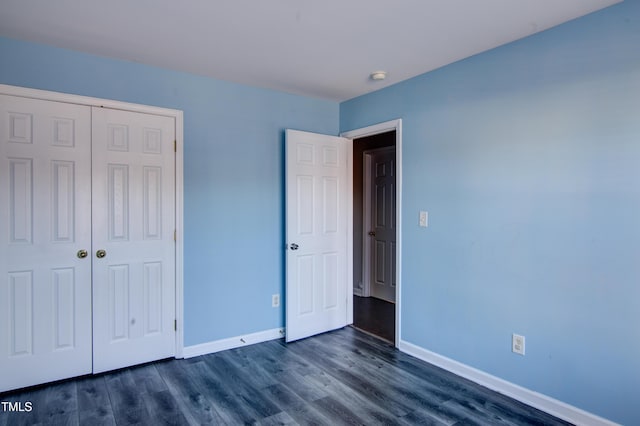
point(275, 300)
point(517, 344)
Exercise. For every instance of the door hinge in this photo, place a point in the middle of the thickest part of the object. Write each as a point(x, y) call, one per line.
point(175, 145)
point(175, 325)
point(175, 235)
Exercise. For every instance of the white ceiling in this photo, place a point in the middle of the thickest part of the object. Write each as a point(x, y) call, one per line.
point(319, 48)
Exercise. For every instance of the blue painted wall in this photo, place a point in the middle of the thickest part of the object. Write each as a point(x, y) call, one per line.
point(233, 174)
point(527, 158)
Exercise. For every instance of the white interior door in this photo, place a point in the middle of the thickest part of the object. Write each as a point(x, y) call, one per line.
point(45, 223)
point(318, 195)
point(381, 182)
point(133, 238)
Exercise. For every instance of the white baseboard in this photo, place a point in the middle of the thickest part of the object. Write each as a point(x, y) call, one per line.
point(534, 399)
point(232, 342)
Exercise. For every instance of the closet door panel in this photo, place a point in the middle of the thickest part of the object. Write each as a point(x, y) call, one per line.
point(134, 222)
point(45, 221)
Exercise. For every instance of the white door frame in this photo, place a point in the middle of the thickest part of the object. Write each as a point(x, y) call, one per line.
point(375, 129)
point(177, 115)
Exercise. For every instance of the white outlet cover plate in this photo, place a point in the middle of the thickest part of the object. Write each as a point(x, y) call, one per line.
point(517, 344)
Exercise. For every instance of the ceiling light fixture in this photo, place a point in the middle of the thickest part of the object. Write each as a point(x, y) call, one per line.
point(378, 75)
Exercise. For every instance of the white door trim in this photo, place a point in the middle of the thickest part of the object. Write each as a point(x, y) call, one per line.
point(177, 115)
point(366, 224)
point(370, 131)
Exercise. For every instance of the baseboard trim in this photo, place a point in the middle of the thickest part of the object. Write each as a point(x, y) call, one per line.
point(232, 342)
point(537, 400)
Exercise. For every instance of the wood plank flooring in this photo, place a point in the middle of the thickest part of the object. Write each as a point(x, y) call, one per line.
point(375, 316)
point(345, 377)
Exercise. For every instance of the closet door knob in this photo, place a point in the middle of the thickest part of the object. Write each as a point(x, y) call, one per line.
point(82, 254)
point(100, 254)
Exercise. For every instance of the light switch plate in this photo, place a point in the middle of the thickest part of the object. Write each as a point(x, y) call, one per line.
point(424, 219)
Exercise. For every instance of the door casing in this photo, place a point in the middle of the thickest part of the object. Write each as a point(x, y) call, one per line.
point(177, 115)
point(375, 129)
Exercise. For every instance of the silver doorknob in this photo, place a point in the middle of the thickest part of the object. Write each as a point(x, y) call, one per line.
point(372, 233)
point(82, 254)
point(294, 246)
point(101, 253)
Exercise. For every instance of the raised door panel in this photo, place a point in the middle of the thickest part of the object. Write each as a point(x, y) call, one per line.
point(20, 200)
point(45, 201)
point(20, 325)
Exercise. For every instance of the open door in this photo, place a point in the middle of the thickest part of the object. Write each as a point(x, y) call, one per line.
point(318, 204)
point(379, 276)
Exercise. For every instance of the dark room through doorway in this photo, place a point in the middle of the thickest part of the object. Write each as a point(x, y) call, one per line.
point(374, 230)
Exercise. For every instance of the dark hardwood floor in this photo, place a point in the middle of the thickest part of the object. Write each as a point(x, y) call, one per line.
point(342, 377)
point(375, 316)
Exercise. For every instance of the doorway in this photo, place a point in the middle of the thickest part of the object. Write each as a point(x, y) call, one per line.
point(354, 232)
point(374, 232)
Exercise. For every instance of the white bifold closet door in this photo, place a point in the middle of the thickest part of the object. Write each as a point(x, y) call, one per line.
point(87, 251)
point(133, 225)
point(45, 224)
